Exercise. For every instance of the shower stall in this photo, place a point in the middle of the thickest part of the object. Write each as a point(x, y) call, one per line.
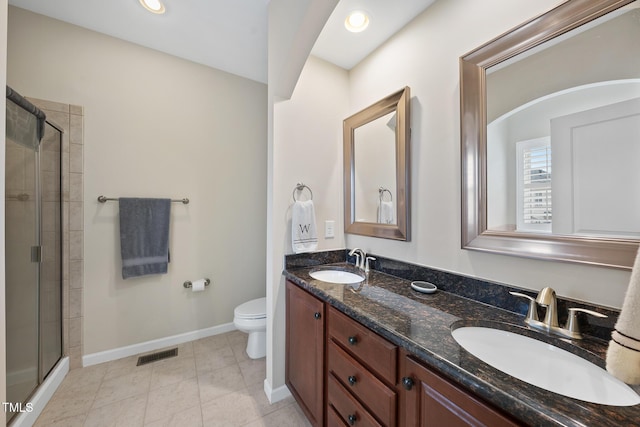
point(33, 249)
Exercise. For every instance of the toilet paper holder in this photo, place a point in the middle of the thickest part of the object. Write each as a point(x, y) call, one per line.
point(188, 283)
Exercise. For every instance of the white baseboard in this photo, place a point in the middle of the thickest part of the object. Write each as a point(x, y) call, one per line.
point(43, 394)
point(276, 395)
point(143, 347)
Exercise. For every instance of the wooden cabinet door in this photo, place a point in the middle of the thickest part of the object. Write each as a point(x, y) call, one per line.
point(429, 400)
point(305, 351)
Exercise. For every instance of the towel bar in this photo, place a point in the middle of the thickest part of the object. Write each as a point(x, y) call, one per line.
point(188, 283)
point(381, 192)
point(299, 187)
point(103, 199)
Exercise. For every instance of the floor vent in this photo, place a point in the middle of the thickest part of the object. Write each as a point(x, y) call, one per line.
point(154, 357)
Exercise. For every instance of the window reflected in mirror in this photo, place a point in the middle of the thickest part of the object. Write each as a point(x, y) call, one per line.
point(550, 124)
point(580, 106)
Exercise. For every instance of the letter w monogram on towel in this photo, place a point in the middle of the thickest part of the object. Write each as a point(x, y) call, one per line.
point(303, 227)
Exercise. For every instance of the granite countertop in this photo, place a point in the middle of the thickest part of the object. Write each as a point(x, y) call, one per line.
point(422, 323)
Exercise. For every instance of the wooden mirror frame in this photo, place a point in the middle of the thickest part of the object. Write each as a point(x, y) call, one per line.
point(610, 252)
point(398, 102)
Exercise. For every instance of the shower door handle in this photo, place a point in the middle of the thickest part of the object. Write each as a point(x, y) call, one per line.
point(36, 253)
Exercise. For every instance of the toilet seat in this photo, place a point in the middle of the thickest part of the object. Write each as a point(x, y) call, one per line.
point(252, 310)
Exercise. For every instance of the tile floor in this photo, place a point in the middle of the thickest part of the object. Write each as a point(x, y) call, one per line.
point(212, 382)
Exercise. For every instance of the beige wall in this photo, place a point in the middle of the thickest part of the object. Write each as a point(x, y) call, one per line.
point(155, 126)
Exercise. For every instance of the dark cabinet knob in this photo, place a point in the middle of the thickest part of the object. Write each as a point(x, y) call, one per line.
point(407, 383)
point(352, 419)
point(352, 380)
point(353, 340)
point(317, 315)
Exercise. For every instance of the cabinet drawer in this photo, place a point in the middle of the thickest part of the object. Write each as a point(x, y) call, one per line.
point(347, 407)
point(373, 351)
point(373, 393)
point(333, 418)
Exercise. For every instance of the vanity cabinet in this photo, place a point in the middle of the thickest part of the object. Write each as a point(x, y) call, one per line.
point(343, 374)
point(304, 365)
point(428, 400)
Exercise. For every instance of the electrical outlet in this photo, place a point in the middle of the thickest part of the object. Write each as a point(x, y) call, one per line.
point(329, 229)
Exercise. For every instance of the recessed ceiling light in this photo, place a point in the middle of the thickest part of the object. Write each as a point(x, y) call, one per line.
point(356, 21)
point(154, 6)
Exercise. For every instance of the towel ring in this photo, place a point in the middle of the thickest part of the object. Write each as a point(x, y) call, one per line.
point(300, 187)
point(381, 192)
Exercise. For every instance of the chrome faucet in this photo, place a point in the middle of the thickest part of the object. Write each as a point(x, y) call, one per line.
point(547, 299)
point(360, 257)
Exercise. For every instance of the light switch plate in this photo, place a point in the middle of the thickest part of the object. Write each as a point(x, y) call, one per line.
point(329, 229)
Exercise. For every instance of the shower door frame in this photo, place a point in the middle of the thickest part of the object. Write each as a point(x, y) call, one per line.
point(41, 369)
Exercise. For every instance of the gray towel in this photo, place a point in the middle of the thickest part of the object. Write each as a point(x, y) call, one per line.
point(144, 236)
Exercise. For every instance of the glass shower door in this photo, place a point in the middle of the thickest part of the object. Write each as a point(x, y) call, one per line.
point(33, 252)
point(22, 239)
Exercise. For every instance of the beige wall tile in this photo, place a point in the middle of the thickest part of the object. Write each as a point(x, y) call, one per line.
point(75, 158)
point(76, 216)
point(75, 332)
point(75, 187)
point(65, 183)
point(76, 129)
point(75, 357)
point(51, 106)
point(75, 303)
point(76, 109)
point(75, 245)
point(75, 274)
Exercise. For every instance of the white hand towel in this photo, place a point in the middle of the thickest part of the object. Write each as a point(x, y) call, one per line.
point(385, 213)
point(623, 354)
point(303, 227)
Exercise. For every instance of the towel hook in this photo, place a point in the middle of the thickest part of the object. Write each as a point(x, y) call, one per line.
point(299, 187)
point(381, 192)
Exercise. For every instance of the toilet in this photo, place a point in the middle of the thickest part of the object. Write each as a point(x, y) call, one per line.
point(251, 318)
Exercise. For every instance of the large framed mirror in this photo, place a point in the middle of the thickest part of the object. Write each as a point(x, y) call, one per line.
point(376, 169)
point(550, 137)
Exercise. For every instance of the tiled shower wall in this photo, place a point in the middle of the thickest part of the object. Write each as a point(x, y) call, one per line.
point(70, 119)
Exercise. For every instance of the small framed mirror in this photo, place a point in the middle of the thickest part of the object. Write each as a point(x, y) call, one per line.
point(376, 169)
point(550, 127)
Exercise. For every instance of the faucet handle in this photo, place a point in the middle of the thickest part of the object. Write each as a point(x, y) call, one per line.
point(366, 266)
point(357, 259)
point(532, 313)
point(572, 321)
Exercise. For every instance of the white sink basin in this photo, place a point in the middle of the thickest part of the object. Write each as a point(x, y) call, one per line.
point(545, 366)
point(336, 276)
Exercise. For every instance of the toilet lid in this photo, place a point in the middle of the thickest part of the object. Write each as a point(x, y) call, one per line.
point(254, 309)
